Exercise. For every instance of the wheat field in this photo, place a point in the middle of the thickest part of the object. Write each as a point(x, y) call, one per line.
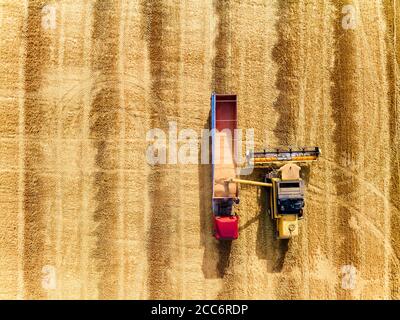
point(84, 216)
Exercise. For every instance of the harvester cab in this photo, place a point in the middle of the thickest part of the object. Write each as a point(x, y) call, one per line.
point(286, 199)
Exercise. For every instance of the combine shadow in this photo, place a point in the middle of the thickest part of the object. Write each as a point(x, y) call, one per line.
point(268, 247)
point(216, 253)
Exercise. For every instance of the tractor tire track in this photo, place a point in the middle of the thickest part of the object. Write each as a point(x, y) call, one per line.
point(12, 154)
point(392, 14)
point(105, 125)
point(349, 99)
point(196, 72)
point(345, 99)
point(85, 176)
point(285, 54)
point(163, 180)
point(314, 58)
point(37, 187)
point(132, 225)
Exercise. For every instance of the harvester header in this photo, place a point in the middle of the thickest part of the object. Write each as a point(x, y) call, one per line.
point(267, 158)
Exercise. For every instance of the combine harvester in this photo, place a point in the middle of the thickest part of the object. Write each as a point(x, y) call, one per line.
point(282, 177)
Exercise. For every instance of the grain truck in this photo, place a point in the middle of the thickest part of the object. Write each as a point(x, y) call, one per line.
point(223, 124)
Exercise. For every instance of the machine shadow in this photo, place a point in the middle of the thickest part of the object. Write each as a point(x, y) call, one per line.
point(267, 246)
point(216, 253)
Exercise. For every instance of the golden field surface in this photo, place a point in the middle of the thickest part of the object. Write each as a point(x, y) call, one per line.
point(84, 216)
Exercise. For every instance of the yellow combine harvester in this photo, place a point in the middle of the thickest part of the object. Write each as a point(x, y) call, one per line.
point(285, 187)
